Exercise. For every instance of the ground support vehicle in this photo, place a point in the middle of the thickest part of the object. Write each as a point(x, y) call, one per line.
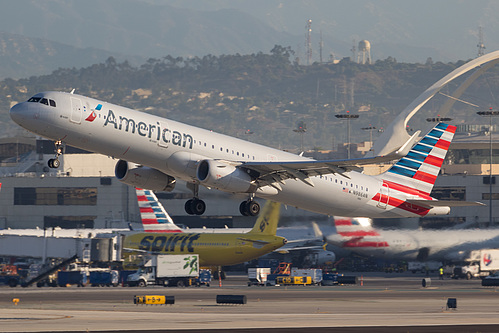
point(314, 273)
point(482, 263)
point(167, 270)
point(258, 276)
point(293, 280)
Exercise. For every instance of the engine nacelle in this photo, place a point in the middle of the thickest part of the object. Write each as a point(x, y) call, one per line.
point(224, 177)
point(139, 176)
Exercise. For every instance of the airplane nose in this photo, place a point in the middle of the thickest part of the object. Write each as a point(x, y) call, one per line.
point(16, 113)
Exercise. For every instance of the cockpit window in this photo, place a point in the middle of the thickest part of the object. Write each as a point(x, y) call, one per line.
point(34, 99)
point(44, 101)
point(52, 102)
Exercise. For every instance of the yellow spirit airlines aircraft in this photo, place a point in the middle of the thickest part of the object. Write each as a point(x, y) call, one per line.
point(214, 249)
point(155, 151)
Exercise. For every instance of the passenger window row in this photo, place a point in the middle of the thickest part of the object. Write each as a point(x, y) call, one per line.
point(227, 150)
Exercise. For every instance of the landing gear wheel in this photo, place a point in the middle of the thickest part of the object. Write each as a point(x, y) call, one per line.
point(188, 205)
point(253, 208)
point(249, 208)
point(198, 207)
point(195, 207)
point(242, 208)
point(54, 163)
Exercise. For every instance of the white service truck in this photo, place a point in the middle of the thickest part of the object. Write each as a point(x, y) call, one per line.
point(258, 276)
point(167, 270)
point(482, 263)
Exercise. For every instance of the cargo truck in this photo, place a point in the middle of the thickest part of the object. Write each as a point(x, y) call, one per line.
point(483, 263)
point(167, 270)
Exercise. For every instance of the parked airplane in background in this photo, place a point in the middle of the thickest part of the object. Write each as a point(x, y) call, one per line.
point(358, 235)
point(214, 249)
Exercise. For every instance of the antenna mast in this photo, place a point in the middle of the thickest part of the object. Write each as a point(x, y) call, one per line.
point(309, 41)
point(481, 44)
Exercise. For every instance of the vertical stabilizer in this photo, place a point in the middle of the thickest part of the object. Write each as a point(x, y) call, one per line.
point(268, 219)
point(419, 169)
point(154, 216)
point(354, 226)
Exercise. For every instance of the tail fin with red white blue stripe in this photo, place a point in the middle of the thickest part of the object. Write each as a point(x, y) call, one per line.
point(419, 169)
point(153, 214)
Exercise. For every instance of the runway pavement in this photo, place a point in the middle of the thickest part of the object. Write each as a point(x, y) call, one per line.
point(391, 303)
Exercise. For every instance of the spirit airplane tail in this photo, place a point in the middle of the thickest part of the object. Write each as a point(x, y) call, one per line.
point(267, 221)
point(153, 214)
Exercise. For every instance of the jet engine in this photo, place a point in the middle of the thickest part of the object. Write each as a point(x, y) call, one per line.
point(224, 177)
point(140, 176)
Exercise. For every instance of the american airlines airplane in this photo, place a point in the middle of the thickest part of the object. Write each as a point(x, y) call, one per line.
point(153, 152)
point(358, 235)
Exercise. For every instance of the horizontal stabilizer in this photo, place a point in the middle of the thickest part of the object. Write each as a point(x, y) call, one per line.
point(444, 203)
point(298, 248)
point(256, 243)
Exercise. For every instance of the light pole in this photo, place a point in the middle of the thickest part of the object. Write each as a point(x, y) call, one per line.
point(248, 132)
point(301, 128)
point(370, 129)
point(489, 114)
point(438, 119)
point(347, 116)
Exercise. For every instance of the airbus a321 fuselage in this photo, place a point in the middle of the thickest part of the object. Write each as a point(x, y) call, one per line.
point(153, 152)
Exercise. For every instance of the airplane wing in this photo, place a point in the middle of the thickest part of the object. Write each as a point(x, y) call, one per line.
point(444, 203)
point(275, 173)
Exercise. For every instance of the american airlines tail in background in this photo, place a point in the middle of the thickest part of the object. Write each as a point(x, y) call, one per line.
point(359, 236)
point(153, 214)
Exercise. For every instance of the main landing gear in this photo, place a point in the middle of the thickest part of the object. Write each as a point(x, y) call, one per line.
point(249, 207)
point(194, 206)
point(54, 163)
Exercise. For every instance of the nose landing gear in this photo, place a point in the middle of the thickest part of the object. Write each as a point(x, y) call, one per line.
point(54, 163)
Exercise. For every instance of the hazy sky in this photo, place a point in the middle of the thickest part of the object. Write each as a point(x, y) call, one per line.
point(446, 30)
